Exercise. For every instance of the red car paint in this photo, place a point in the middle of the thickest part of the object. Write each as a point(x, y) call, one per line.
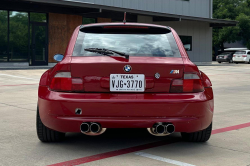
point(189, 112)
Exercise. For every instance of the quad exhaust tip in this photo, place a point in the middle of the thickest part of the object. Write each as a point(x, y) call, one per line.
point(92, 128)
point(162, 129)
point(158, 129)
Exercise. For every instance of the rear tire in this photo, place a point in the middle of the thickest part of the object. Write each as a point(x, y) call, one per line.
point(231, 61)
point(199, 136)
point(219, 62)
point(249, 61)
point(45, 134)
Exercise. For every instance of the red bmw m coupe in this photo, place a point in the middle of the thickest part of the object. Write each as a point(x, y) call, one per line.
point(124, 75)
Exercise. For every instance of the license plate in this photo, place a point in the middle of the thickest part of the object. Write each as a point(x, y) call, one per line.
point(127, 82)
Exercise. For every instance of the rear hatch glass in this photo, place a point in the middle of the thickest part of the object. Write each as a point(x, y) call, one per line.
point(224, 53)
point(240, 52)
point(145, 42)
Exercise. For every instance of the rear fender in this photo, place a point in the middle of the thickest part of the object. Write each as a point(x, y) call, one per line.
point(205, 80)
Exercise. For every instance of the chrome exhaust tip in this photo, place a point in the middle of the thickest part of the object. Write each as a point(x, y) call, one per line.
point(92, 129)
point(170, 128)
point(161, 129)
point(84, 127)
point(95, 128)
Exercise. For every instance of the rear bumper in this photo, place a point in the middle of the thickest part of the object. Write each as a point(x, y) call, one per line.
point(222, 60)
point(240, 60)
point(188, 112)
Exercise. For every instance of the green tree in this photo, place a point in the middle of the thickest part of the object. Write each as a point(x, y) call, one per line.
point(238, 10)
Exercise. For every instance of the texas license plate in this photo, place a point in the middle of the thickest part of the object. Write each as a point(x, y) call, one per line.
point(127, 82)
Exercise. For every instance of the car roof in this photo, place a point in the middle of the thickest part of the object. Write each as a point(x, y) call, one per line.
point(124, 24)
point(234, 49)
point(242, 50)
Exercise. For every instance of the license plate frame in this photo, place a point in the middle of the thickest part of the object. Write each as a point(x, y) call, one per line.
point(127, 83)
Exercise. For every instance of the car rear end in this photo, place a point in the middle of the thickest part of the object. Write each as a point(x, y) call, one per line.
point(224, 57)
point(157, 87)
point(240, 57)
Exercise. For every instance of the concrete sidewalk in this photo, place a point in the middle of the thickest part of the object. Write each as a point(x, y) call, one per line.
point(22, 66)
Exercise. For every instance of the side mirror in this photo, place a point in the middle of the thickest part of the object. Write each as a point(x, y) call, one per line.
point(58, 57)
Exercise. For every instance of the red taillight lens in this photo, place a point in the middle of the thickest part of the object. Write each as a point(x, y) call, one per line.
point(244, 55)
point(191, 83)
point(216, 57)
point(62, 81)
point(61, 84)
point(192, 86)
point(225, 57)
point(177, 86)
point(234, 55)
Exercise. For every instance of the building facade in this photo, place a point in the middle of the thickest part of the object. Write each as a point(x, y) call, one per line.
point(33, 31)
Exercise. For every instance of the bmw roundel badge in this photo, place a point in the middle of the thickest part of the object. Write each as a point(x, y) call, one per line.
point(127, 68)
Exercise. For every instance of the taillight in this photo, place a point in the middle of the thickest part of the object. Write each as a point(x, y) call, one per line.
point(62, 81)
point(225, 57)
point(234, 55)
point(190, 83)
point(244, 55)
point(216, 57)
point(77, 84)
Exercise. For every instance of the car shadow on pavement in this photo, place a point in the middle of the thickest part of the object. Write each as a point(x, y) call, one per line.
point(112, 139)
point(78, 145)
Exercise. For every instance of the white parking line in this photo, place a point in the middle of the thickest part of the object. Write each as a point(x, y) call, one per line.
point(19, 77)
point(163, 159)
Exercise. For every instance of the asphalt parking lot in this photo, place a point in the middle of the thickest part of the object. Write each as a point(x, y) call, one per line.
point(229, 144)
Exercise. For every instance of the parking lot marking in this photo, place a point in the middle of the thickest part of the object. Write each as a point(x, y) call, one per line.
point(222, 130)
point(19, 77)
point(20, 84)
point(137, 148)
point(162, 159)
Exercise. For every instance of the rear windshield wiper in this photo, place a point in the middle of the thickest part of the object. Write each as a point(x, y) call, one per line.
point(108, 52)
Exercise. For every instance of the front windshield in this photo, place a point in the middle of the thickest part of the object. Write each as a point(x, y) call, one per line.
point(157, 45)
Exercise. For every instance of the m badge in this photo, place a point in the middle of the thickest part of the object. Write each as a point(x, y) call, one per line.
point(175, 72)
